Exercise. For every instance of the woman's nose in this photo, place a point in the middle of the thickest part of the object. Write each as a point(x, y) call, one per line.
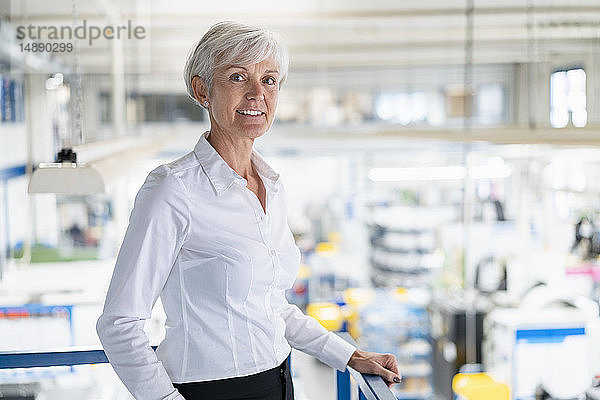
point(255, 91)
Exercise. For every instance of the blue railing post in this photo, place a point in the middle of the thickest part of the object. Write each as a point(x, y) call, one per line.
point(361, 395)
point(343, 385)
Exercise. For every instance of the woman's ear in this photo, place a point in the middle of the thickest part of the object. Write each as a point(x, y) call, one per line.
point(200, 92)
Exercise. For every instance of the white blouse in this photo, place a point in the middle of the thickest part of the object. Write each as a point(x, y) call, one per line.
point(201, 240)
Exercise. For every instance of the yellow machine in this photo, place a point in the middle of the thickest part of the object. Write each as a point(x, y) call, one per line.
point(355, 298)
point(328, 314)
point(479, 386)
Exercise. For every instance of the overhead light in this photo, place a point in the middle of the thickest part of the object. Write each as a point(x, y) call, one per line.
point(448, 173)
point(417, 174)
point(55, 81)
point(66, 176)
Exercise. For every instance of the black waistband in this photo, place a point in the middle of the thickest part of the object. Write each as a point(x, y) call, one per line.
point(239, 385)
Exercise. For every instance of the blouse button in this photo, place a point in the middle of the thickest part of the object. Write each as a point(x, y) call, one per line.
point(273, 252)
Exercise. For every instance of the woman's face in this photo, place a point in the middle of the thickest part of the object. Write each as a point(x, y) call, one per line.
point(243, 99)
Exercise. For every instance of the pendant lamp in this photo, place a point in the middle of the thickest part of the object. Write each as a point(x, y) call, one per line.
point(66, 175)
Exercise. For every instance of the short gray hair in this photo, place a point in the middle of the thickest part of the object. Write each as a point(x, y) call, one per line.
point(229, 43)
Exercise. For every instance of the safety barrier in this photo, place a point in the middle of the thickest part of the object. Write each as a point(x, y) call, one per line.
point(58, 358)
point(370, 387)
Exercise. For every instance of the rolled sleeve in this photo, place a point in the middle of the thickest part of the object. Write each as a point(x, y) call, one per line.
point(157, 228)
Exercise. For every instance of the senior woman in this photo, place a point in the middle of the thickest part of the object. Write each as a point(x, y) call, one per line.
point(208, 234)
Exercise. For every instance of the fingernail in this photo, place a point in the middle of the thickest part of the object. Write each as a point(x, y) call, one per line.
point(396, 379)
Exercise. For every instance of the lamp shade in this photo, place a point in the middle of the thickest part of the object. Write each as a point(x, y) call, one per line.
point(66, 178)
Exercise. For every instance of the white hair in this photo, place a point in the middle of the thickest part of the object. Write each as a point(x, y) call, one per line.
point(228, 43)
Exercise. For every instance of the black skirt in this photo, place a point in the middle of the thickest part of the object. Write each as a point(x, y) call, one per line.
point(273, 384)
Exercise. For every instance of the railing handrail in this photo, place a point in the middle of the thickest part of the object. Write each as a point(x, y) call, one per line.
point(373, 387)
point(53, 358)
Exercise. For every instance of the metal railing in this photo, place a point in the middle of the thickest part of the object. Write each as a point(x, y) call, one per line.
point(370, 387)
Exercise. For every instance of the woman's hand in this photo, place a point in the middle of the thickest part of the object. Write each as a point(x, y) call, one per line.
point(384, 365)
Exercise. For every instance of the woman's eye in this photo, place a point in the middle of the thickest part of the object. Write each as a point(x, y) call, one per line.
point(236, 77)
point(270, 81)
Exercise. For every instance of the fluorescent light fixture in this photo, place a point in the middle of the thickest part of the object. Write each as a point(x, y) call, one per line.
point(449, 173)
point(66, 178)
point(417, 174)
point(489, 171)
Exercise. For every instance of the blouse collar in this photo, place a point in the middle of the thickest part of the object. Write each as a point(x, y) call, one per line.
point(222, 176)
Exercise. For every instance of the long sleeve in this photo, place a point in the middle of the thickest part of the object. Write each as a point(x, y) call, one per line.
point(157, 228)
point(306, 334)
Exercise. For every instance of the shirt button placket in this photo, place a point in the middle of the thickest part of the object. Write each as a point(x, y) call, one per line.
point(268, 239)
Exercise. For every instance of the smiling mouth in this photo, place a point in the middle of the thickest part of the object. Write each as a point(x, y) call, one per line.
point(252, 113)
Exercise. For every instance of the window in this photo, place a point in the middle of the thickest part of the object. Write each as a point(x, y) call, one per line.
point(490, 103)
point(567, 98)
point(154, 108)
point(411, 108)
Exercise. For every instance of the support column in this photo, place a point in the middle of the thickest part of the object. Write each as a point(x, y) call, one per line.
point(118, 88)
